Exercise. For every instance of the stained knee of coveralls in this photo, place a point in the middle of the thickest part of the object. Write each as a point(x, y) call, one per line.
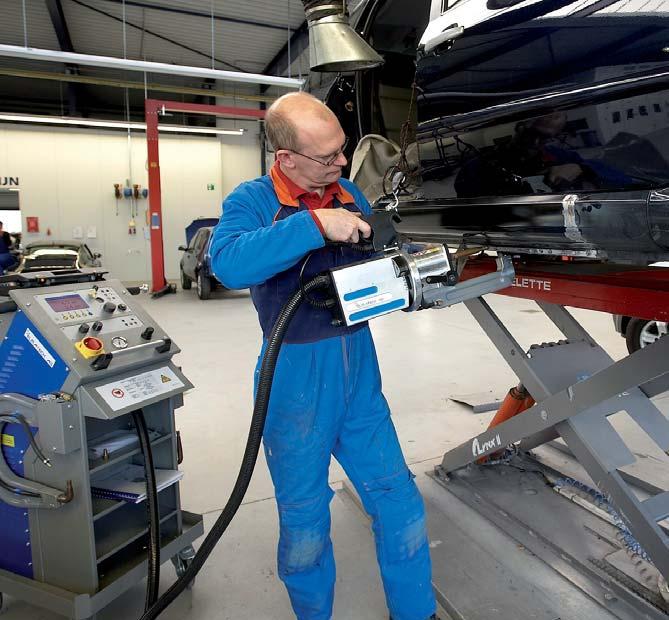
point(398, 516)
point(304, 534)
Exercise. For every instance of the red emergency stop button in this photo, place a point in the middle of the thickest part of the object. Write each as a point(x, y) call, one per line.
point(90, 347)
point(94, 344)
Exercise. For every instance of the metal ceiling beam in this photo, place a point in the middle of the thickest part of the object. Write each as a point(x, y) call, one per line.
point(55, 9)
point(59, 23)
point(299, 41)
point(111, 62)
point(155, 34)
point(182, 11)
point(149, 86)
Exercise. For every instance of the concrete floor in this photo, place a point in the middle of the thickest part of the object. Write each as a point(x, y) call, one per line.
point(425, 358)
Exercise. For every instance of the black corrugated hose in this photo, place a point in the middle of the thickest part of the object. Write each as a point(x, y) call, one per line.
point(153, 573)
point(252, 447)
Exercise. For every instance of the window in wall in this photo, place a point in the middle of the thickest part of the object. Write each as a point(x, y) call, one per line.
point(643, 111)
point(657, 108)
point(615, 117)
point(630, 112)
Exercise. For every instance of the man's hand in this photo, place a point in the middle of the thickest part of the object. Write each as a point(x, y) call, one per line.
point(342, 225)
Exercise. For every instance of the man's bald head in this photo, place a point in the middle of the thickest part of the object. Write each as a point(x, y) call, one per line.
point(291, 113)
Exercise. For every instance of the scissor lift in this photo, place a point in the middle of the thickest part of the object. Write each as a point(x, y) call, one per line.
point(610, 540)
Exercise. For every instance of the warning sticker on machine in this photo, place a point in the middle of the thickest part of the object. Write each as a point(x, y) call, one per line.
point(133, 391)
point(8, 440)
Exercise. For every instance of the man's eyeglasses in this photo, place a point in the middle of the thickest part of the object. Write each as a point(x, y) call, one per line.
point(329, 161)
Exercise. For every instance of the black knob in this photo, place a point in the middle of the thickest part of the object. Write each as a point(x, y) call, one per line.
point(84, 327)
point(147, 334)
point(97, 326)
point(122, 307)
point(109, 307)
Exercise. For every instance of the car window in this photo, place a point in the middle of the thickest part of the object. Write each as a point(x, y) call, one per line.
point(195, 241)
point(202, 236)
point(84, 257)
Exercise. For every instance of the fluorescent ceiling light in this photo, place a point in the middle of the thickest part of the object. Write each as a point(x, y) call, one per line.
point(111, 62)
point(85, 122)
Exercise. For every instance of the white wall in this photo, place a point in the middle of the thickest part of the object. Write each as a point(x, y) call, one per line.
point(240, 155)
point(67, 178)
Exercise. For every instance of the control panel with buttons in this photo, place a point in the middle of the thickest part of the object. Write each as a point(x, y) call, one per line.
point(75, 307)
point(93, 325)
point(95, 320)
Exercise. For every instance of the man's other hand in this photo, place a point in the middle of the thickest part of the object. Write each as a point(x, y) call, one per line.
point(342, 225)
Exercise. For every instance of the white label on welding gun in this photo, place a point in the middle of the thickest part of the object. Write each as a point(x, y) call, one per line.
point(362, 304)
point(40, 348)
point(135, 390)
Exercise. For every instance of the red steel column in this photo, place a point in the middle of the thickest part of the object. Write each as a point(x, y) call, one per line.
point(152, 107)
point(159, 282)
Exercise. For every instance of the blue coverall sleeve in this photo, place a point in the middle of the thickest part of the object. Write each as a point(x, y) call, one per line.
point(247, 248)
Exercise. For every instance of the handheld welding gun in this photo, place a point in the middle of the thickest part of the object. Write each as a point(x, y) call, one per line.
point(395, 279)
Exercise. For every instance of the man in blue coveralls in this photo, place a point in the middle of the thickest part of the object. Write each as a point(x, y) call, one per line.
point(326, 398)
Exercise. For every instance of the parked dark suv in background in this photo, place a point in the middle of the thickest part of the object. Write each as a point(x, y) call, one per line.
point(195, 264)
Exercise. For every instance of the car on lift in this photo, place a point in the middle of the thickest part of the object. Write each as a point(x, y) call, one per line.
point(195, 265)
point(639, 333)
point(57, 256)
point(507, 111)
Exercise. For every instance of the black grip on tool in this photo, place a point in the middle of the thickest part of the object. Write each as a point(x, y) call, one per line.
point(165, 346)
point(384, 234)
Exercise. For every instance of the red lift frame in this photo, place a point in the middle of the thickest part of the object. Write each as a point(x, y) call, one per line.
point(629, 291)
point(152, 109)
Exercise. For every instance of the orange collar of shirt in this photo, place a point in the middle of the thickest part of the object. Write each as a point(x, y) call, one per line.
point(289, 193)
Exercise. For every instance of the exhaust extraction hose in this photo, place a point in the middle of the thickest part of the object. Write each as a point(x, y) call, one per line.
point(261, 404)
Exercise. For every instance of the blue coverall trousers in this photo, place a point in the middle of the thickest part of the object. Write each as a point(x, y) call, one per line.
point(326, 400)
point(6, 261)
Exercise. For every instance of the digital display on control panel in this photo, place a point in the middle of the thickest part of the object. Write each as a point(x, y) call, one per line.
point(66, 303)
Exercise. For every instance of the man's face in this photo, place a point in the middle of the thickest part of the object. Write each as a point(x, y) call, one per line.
point(319, 158)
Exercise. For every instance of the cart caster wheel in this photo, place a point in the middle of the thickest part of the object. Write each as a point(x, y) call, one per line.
point(182, 561)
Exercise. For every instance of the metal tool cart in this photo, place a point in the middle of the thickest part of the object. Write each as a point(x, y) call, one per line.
point(79, 356)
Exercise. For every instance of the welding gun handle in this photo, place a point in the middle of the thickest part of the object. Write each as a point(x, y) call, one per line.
point(384, 235)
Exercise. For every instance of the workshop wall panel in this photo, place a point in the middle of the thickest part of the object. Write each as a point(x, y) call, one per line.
point(67, 176)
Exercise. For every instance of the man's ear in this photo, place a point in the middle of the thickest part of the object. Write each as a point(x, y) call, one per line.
point(285, 158)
